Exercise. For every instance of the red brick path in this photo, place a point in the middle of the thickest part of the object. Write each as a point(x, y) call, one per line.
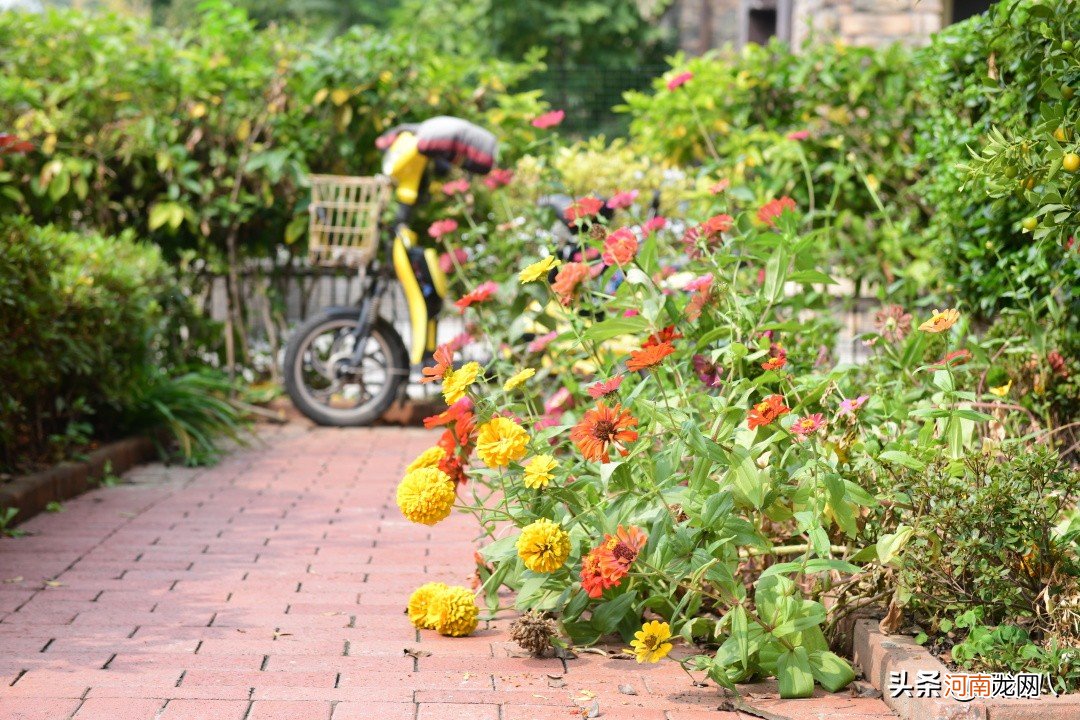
point(272, 587)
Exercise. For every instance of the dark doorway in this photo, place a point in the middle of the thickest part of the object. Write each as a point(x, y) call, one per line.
point(761, 25)
point(963, 9)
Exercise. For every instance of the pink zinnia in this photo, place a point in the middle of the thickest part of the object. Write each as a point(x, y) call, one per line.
point(774, 209)
point(630, 313)
point(499, 177)
point(620, 247)
point(479, 295)
point(549, 119)
point(699, 283)
point(560, 402)
point(583, 208)
point(456, 187)
point(459, 341)
point(680, 80)
point(798, 135)
point(850, 406)
point(655, 223)
point(538, 344)
point(605, 387)
point(622, 199)
point(442, 227)
point(806, 426)
point(446, 261)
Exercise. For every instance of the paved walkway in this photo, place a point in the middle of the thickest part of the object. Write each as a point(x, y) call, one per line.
point(272, 586)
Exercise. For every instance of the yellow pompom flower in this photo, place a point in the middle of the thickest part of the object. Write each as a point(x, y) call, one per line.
point(543, 546)
point(519, 379)
point(940, 321)
point(650, 643)
point(538, 472)
point(430, 458)
point(426, 496)
point(456, 382)
point(422, 604)
point(538, 269)
point(455, 612)
point(500, 441)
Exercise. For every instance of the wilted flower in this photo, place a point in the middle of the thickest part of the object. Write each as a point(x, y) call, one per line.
point(650, 643)
point(770, 211)
point(543, 546)
point(442, 227)
point(1057, 363)
point(893, 323)
point(603, 428)
point(707, 371)
point(940, 321)
point(549, 119)
point(533, 632)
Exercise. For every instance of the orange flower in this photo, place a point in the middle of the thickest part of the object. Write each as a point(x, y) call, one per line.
point(583, 208)
point(941, 321)
point(620, 247)
point(603, 428)
point(766, 411)
point(568, 279)
point(443, 360)
point(666, 335)
point(777, 357)
point(649, 356)
point(607, 564)
point(770, 211)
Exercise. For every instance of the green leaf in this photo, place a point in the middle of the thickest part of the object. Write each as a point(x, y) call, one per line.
point(811, 276)
point(613, 327)
point(830, 670)
point(902, 458)
point(740, 631)
point(606, 616)
point(889, 545)
point(794, 675)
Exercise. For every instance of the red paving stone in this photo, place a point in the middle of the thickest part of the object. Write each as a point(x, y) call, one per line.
point(273, 586)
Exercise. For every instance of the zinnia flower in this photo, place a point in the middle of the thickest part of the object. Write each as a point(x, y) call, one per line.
point(805, 426)
point(665, 335)
point(1057, 363)
point(1001, 390)
point(519, 379)
point(442, 227)
point(443, 361)
point(501, 441)
point(499, 177)
point(650, 643)
point(622, 199)
point(561, 400)
point(707, 371)
point(607, 564)
point(540, 343)
point(538, 472)
point(777, 357)
point(426, 496)
point(620, 247)
point(605, 387)
point(770, 211)
point(766, 411)
point(566, 282)
point(480, 294)
point(719, 186)
point(538, 269)
point(457, 382)
point(549, 119)
point(427, 459)
point(456, 187)
point(603, 428)
point(956, 357)
point(798, 135)
point(583, 208)
point(421, 607)
point(543, 546)
point(655, 224)
point(679, 80)
point(455, 612)
point(711, 232)
point(648, 357)
point(940, 321)
point(447, 260)
point(850, 406)
point(893, 323)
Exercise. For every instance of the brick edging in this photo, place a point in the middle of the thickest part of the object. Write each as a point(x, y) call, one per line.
point(32, 493)
point(877, 655)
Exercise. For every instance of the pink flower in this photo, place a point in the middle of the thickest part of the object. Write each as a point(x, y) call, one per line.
point(770, 211)
point(622, 199)
point(798, 135)
point(807, 426)
point(719, 186)
point(620, 247)
point(479, 295)
point(605, 387)
point(583, 208)
point(711, 233)
point(707, 371)
point(458, 342)
point(590, 253)
point(446, 261)
point(442, 227)
point(549, 119)
point(499, 177)
point(547, 421)
point(456, 187)
point(679, 80)
point(699, 283)
point(655, 224)
point(850, 406)
point(540, 343)
point(560, 402)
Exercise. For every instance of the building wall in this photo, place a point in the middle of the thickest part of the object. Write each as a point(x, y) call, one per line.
point(867, 22)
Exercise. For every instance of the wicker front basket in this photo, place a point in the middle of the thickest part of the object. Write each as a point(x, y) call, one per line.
point(345, 213)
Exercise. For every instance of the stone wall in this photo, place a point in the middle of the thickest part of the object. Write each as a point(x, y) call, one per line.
point(867, 22)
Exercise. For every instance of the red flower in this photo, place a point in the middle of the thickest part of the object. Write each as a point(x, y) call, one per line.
point(620, 247)
point(499, 177)
point(1057, 363)
point(446, 260)
point(622, 199)
point(444, 360)
point(806, 426)
point(648, 357)
point(770, 211)
point(679, 80)
point(9, 144)
point(765, 412)
point(540, 342)
point(666, 335)
point(566, 282)
point(607, 564)
point(709, 232)
point(655, 223)
point(603, 428)
point(798, 135)
point(777, 357)
point(479, 295)
point(605, 387)
point(442, 227)
point(456, 187)
point(956, 357)
point(702, 282)
point(549, 119)
point(583, 208)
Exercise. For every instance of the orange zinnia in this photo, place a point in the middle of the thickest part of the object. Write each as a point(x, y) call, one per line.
point(607, 564)
point(766, 411)
point(443, 360)
point(648, 357)
point(566, 282)
point(777, 357)
point(603, 428)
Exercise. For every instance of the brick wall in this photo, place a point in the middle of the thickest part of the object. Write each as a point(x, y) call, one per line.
point(867, 22)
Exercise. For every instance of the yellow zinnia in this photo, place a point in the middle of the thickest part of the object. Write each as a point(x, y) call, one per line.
point(421, 606)
point(455, 612)
point(940, 321)
point(456, 382)
point(428, 459)
point(426, 496)
point(543, 546)
point(1001, 390)
point(501, 441)
point(519, 379)
point(538, 472)
point(538, 269)
point(650, 643)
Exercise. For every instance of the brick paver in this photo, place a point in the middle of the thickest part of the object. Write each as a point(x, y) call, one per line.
point(273, 586)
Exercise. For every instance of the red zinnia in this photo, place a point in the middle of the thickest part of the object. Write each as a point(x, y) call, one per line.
point(657, 222)
point(680, 80)
point(710, 232)
point(620, 247)
point(956, 357)
point(607, 564)
point(605, 387)
point(806, 426)
point(774, 209)
point(583, 208)
point(777, 357)
point(766, 411)
point(603, 428)
point(648, 357)
point(479, 295)
point(666, 335)
point(446, 260)
point(549, 119)
point(798, 135)
point(566, 282)
point(442, 227)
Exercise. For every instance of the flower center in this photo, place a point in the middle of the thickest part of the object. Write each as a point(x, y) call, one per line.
point(622, 551)
point(604, 430)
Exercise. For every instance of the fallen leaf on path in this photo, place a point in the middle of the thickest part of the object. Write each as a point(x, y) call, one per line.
point(53, 583)
point(12, 581)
